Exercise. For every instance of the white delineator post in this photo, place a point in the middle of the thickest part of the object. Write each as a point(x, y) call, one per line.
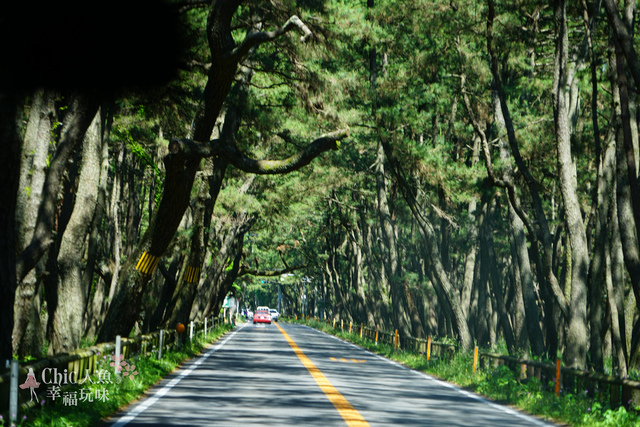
point(13, 393)
point(191, 331)
point(160, 344)
point(205, 327)
point(117, 359)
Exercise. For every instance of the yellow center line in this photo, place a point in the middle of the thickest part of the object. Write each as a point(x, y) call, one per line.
point(349, 414)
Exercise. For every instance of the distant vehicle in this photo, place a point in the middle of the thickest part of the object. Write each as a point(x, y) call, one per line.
point(262, 316)
point(274, 314)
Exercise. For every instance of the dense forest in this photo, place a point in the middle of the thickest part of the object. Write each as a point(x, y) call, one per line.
point(463, 169)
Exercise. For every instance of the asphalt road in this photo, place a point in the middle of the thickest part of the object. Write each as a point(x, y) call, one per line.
point(292, 375)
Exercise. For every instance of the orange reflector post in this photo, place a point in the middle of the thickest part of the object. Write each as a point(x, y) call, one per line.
point(395, 340)
point(428, 349)
point(341, 324)
point(361, 326)
point(557, 377)
point(475, 359)
point(376, 334)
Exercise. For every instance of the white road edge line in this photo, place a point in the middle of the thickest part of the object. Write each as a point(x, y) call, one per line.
point(479, 398)
point(164, 390)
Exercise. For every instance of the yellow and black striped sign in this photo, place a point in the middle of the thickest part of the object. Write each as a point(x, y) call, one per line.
point(192, 274)
point(147, 263)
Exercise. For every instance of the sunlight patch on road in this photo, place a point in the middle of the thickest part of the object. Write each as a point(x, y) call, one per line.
point(342, 359)
point(349, 414)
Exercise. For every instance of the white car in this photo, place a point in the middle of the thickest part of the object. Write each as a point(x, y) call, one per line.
point(274, 314)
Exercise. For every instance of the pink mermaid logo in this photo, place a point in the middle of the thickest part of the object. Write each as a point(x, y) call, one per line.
point(31, 383)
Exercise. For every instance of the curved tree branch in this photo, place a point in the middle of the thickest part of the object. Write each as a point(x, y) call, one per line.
point(255, 39)
point(237, 158)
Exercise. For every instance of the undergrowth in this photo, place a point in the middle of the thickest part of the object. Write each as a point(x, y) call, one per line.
point(501, 384)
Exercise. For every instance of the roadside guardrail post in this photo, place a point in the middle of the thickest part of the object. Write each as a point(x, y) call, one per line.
point(117, 358)
point(160, 344)
point(13, 394)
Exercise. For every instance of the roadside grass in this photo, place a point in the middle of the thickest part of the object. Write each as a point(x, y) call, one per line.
point(502, 385)
point(106, 395)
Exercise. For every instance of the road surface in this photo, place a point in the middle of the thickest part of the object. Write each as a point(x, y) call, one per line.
point(292, 375)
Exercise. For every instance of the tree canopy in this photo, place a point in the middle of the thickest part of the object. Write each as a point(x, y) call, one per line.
point(462, 169)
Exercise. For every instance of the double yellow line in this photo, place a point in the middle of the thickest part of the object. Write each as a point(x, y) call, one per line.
point(350, 415)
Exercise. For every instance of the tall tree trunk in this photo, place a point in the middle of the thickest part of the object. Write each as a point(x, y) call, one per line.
point(597, 267)
point(27, 331)
point(95, 259)
point(82, 109)
point(542, 230)
point(616, 306)
point(184, 158)
point(402, 321)
point(358, 274)
point(180, 174)
point(577, 336)
point(67, 320)
point(438, 272)
point(617, 277)
point(185, 292)
point(626, 215)
point(377, 294)
point(489, 257)
point(472, 239)
point(526, 280)
point(115, 229)
point(168, 288)
point(517, 229)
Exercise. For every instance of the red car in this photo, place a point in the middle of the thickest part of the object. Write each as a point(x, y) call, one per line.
point(261, 316)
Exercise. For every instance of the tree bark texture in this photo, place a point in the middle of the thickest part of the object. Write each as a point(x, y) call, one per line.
point(402, 321)
point(82, 110)
point(439, 274)
point(577, 336)
point(27, 331)
point(72, 295)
